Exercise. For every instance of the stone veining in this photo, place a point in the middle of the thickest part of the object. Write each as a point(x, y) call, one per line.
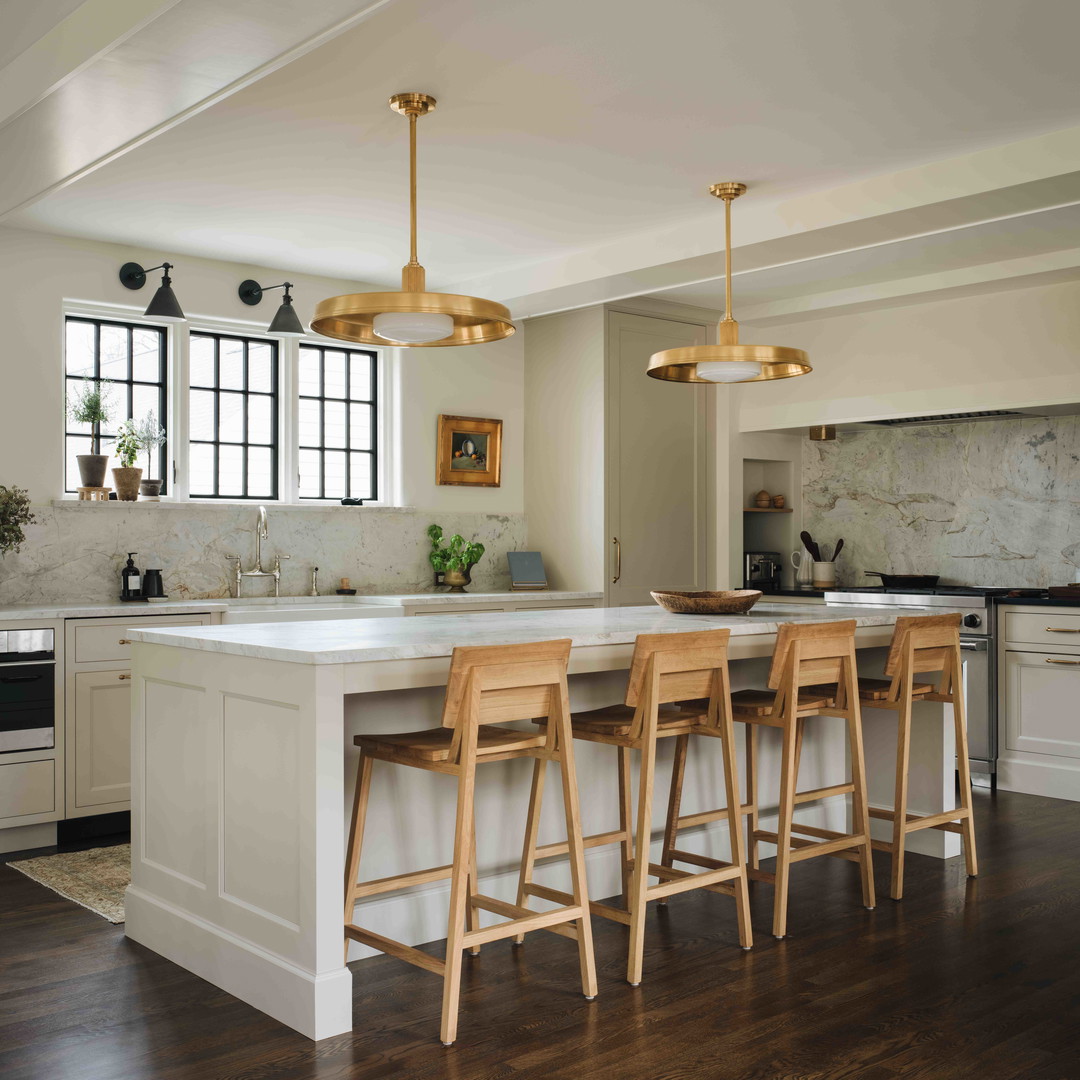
point(995, 503)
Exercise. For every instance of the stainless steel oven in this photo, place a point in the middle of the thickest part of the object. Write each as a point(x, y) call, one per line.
point(27, 690)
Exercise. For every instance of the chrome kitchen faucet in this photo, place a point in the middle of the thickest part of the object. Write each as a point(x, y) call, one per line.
point(261, 533)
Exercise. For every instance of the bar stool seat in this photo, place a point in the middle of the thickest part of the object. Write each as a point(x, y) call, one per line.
point(619, 719)
point(760, 702)
point(435, 744)
point(874, 689)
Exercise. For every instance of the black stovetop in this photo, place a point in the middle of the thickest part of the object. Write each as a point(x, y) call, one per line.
point(944, 590)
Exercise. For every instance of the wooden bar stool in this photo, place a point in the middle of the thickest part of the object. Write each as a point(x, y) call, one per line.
point(665, 668)
point(805, 655)
point(921, 644)
point(487, 686)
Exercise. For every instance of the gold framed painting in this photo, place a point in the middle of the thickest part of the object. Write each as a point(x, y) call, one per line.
point(469, 451)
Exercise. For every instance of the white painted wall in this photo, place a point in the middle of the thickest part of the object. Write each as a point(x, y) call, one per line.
point(38, 272)
point(991, 351)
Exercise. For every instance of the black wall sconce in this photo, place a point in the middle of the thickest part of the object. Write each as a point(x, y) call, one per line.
point(285, 322)
point(164, 306)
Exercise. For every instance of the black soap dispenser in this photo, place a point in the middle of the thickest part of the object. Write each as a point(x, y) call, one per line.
point(131, 580)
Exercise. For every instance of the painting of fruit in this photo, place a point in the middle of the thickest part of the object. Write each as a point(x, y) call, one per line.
point(469, 451)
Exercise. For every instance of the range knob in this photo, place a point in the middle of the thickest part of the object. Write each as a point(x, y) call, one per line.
point(973, 620)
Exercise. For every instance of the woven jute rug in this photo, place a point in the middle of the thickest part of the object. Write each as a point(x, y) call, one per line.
point(96, 879)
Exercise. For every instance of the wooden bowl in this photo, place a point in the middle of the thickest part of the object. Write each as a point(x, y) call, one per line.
point(732, 602)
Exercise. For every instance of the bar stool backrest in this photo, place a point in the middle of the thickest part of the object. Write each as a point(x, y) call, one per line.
point(510, 682)
point(684, 665)
point(818, 651)
point(931, 642)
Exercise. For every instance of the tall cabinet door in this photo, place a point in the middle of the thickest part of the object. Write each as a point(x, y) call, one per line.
point(102, 744)
point(657, 464)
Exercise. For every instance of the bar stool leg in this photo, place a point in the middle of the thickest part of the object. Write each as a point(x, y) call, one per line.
point(751, 746)
point(639, 879)
point(963, 769)
point(472, 913)
point(459, 894)
point(626, 817)
point(900, 796)
point(671, 826)
point(532, 832)
point(579, 882)
point(783, 830)
point(356, 837)
point(860, 809)
point(734, 818)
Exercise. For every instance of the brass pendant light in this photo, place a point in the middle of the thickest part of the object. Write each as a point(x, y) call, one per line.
point(728, 361)
point(412, 318)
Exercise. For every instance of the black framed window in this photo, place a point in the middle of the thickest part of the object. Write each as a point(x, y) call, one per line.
point(233, 414)
point(130, 361)
point(338, 437)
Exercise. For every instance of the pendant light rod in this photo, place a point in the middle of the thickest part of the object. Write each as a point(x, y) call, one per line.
point(412, 190)
point(728, 330)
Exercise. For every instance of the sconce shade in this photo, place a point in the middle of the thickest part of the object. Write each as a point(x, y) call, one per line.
point(164, 307)
point(286, 323)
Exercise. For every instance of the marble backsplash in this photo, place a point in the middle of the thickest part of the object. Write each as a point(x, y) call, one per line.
point(75, 553)
point(988, 503)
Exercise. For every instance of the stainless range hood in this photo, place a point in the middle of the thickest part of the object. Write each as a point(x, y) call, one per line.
point(1027, 413)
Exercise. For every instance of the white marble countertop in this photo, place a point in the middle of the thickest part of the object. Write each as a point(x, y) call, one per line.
point(348, 642)
point(17, 612)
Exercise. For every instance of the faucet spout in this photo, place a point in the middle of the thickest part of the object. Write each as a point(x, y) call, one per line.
point(261, 534)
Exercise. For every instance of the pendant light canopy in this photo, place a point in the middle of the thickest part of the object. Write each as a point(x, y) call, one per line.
point(728, 361)
point(164, 307)
point(412, 317)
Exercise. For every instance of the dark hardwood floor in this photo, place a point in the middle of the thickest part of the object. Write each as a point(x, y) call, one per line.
point(963, 979)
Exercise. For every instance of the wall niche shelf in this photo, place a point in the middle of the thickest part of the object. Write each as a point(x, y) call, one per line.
point(768, 510)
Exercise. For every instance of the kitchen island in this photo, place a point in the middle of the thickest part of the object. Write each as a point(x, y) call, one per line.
point(242, 763)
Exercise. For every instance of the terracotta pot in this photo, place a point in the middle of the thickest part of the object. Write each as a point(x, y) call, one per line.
point(92, 469)
point(150, 489)
point(126, 482)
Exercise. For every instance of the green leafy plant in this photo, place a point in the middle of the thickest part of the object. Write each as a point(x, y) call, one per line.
point(458, 553)
point(14, 514)
point(90, 404)
point(128, 444)
point(150, 435)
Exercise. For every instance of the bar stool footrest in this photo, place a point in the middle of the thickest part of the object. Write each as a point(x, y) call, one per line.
point(838, 845)
point(705, 816)
point(517, 913)
point(522, 924)
point(946, 821)
point(398, 949)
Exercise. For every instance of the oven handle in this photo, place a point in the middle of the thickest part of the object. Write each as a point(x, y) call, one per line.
point(975, 646)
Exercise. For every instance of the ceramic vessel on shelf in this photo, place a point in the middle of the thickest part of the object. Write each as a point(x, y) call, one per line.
point(763, 499)
point(729, 602)
point(804, 567)
point(824, 575)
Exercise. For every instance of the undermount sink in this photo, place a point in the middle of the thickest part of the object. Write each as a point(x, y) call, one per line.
point(314, 612)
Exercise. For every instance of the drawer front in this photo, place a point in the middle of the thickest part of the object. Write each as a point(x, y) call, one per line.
point(449, 610)
point(26, 788)
point(1041, 691)
point(1056, 629)
point(96, 643)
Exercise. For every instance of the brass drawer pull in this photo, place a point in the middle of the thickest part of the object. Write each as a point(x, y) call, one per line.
point(1062, 630)
point(123, 676)
point(124, 641)
point(618, 560)
point(1072, 663)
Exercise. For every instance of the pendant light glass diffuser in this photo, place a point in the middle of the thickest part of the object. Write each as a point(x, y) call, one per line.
point(412, 317)
point(728, 361)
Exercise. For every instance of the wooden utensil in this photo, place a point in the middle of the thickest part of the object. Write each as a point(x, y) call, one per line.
point(808, 543)
point(839, 548)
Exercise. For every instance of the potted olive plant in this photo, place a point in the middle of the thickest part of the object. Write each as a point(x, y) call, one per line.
point(151, 435)
point(14, 514)
point(126, 478)
point(455, 560)
point(90, 405)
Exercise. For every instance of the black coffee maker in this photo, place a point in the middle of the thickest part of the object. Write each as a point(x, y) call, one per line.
point(761, 570)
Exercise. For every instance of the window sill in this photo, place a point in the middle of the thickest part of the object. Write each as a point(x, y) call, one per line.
point(218, 504)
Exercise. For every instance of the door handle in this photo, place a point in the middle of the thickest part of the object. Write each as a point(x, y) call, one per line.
point(1061, 630)
point(123, 676)
point(974, 646)
point(618, 559)
point(124, 641)
point(1073, 663)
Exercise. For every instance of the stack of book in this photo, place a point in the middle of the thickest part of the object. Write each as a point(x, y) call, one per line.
point(527, 572)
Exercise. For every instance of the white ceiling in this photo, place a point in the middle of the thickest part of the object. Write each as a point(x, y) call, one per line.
point(564, 127)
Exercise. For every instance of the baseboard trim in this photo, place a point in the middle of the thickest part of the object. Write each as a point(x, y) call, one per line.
point(1054, 779)
point(318, 1006)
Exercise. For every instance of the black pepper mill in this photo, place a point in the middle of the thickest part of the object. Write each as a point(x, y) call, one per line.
point(131, 580)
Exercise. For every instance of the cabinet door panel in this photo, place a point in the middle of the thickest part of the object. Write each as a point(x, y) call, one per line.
point(656, 464)
point(102, 744)
point(1041, 692)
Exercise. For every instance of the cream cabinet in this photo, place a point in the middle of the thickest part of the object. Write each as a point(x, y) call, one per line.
point(1040, 703)
point(98, 713)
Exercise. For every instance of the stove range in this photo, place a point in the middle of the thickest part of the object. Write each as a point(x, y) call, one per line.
point(977, 642)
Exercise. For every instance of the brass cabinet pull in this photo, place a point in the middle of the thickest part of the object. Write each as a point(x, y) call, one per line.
point(1073, 663)
point(618, 559)
point(1062, 630)
point(123, 676)
point(124, 641)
